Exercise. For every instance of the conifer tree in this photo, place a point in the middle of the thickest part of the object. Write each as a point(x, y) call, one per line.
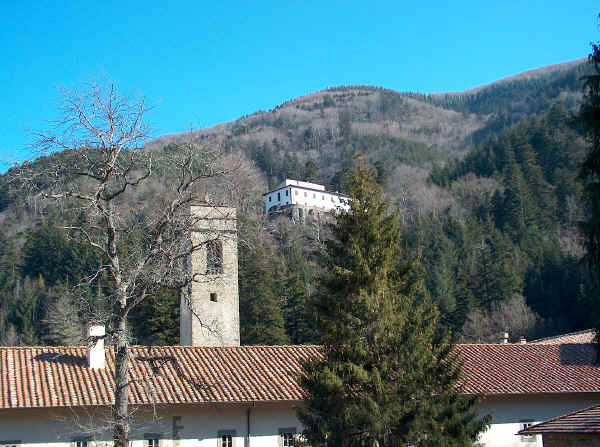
point(261, 317)
point(155, 321)
point(590, 170)
point(388, 375)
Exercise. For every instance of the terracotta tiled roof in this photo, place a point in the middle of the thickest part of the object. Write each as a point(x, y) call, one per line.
point(586, 420)
point(37, 377)
point(586, 336)
point(527, 368)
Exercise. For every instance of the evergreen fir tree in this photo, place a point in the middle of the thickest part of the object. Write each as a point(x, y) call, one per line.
point(155, 321)
point(590, 170)
point(298, 319)
point(388, 376)
point(516, 206)
point(261, 318)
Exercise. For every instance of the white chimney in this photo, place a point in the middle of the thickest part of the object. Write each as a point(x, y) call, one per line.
point(522, 340)
point(95, 346)
point(505, 339)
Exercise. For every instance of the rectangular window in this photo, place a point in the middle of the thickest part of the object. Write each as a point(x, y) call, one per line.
point(269, 198)
point(81, 444)
point(304, 193)
point(278, 196)
point(213, 297)
point(322, 197)
point(314, 195)
point(296, 191)
point(225, 438)
point(287, 437)
point(152, 439)
point(286, 192)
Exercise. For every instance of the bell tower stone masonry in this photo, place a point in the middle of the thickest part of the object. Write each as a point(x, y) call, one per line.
point(210, 313)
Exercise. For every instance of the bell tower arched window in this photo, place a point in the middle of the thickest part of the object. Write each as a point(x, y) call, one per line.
point(214, 257)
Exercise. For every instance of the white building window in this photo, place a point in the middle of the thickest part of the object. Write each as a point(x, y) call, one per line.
point(269, 198)
point(287, 437)
point(296, 191)
point(286, 192)
point(81, 443)
point(154, 442)
point(225, 438)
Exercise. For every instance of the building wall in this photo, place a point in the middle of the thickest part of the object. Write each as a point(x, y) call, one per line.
point(176, 426)
point(509, 413)
point(199, 425)
point(302, 197)
point(571, 440)
point(206, 321)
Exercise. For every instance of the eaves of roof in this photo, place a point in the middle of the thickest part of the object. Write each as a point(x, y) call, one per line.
point(44, 377)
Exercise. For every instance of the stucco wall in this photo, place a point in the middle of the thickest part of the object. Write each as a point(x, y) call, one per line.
point(193, 425)
point(199, 425)
point(576, 440)
point(509, 413)
point(309, 198)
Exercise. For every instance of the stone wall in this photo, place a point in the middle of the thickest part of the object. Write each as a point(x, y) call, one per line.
point(211, 315)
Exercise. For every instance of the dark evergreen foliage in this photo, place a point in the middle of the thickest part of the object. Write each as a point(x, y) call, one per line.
point(389, 374)
point(590, 170)
point(155, 321)
point(261, 318)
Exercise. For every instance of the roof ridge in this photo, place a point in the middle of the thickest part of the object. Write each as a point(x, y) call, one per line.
point(531, 343)
point(568, 334)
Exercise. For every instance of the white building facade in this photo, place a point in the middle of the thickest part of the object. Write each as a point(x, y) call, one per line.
point(215, 425)
point(303, 199)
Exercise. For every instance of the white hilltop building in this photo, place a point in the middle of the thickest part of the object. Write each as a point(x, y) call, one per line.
point(300, 200)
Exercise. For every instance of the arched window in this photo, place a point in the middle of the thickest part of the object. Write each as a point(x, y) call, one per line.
point(214, 257)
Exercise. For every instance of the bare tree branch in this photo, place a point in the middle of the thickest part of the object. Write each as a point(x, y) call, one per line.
point(101, 174)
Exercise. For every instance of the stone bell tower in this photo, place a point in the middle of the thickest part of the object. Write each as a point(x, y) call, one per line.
point(210, 314)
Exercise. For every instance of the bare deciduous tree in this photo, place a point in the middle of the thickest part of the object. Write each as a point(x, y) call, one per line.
point(513, 316)
point(100, 176)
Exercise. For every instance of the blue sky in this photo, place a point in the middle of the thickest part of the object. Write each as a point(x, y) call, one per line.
point(201, 63)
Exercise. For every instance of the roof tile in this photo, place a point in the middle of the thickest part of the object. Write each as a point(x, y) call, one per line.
point(38, 377)
point(586, 420)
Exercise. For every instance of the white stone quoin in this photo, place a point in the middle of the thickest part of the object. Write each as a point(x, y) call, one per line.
point(96, 357)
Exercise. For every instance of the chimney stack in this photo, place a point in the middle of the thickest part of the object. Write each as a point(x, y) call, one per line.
point(95, 346)
point(522, 340)
point(505, 339)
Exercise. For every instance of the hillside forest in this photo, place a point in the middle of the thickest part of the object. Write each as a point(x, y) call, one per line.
point(485, 183)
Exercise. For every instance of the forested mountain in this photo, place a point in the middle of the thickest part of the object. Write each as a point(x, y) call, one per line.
point(485, 183)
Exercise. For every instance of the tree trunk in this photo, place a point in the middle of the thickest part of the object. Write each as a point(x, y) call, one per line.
point(122, 360)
